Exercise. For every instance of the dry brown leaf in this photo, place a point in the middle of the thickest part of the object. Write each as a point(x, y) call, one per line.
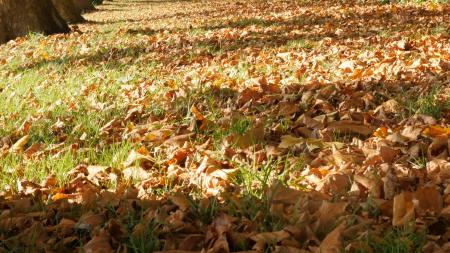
point(332, 242)
point(288, 249)
point(65, 227)
point(403, 209)
point(347, 66)
point(138, 159)
point(253, 136)
point(348, 127)
point(33, 149)
point(288, 141)
point(411, 132)
point(90, 220)
point(429, 200)
point(158, 135)
point(438, 170)
point(135, 173)
point(381, 132)
point(181, 201)
point(59, 196)
point(278, 193)
point(327, 215)
point(99, 244)
point(388, 154)
point(439, 147)
point(33, 236)
point(287, 108)
point(336, 183)
point(247, 95)
point(20, 144)
point(268, 238)
point(372, 184)
point(434, 131)
point(192, 242)
point(446, 212)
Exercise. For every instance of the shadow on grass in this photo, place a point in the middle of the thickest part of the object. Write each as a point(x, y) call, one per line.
point(263, 34)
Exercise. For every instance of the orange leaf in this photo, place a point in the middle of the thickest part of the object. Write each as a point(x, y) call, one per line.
point(403, 209)
point(434, 131)
point(381, 132)
point(197, 114)
point(59, 196)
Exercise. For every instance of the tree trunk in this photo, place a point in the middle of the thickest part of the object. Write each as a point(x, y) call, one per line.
point(84, 5)
point(3, 37)
point(18, 18)
point(68, 11)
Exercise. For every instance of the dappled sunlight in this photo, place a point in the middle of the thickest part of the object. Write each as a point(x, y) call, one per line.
point(229, 126)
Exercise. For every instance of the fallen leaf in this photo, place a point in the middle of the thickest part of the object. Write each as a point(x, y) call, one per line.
point(99, 244)
point(429, 200)
point(268, 238)
point(348, 127)
point(20, 144)
point(181, 201)
point(332, 242)
point(434, 131)
point(403, 209)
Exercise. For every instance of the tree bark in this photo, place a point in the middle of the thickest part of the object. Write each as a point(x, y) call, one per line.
point(18, 18)
point(3, 37)
point(68, 11)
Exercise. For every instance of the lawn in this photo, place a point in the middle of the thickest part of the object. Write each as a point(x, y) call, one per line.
point(229, 126)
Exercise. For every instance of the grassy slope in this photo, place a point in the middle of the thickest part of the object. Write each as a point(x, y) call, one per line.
point(132, 55)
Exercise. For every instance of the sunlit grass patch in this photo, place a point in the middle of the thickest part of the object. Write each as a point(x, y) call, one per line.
point(397, 240)
point(14, 168)
point(301, 44)
point(156, 101)
point(429, 104)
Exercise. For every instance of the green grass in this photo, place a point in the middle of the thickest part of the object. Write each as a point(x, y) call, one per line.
point(255, 183)
point(205, 209)
point(440, 29)
point(300, 44)
point(75, 89)
point(13, 167)
point(148, 242)
point(90, 79)
point(397, 240)
point(419, 162)
point(429, 104)
point(240, 126)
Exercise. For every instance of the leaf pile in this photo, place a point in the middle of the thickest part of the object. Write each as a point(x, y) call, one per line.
point(230, 126)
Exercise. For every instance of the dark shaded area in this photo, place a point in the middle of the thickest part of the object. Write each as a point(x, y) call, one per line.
point(264, 33)
point(120, 213)
point(68, 11)
point(112, 57)
point(159, 1)
point(18, 19)
point(110, 9)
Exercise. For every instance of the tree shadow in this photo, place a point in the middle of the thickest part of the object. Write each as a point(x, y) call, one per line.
point(269, 33)
point(111, 58)
point(260, 34)
point(125, 221)
point(263, 33)
point(158, 1)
